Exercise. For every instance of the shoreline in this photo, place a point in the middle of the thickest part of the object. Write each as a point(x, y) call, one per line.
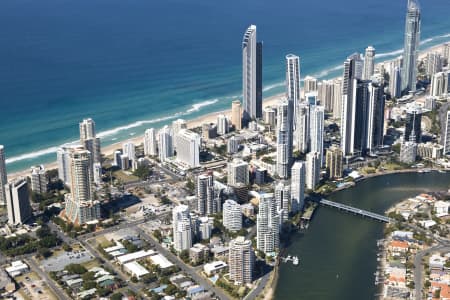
point(207, 118)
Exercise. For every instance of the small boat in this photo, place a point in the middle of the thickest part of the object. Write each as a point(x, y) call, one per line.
point(295, 260)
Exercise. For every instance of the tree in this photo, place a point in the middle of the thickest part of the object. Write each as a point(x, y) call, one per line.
point(157, 234)
point(143, 172)
point(66, 247)
point(75, 269)
point(44, 252)
point(170, 289)
point(116, 296)
point(184, 255)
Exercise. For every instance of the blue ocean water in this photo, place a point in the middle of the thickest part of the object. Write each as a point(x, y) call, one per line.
point(136, 64)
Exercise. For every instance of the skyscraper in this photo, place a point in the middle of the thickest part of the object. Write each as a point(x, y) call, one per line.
point(39, 180)
point(337, 98)
point(310, 84)
point(150, 143)
point(316, 126)
point(298, 182)
point(434, 63)
point(439, 84)
point(222, 124)
point(63, 160)
point(369, 63)
point(237, 172)
point(80, 204)
point(232, 215)
point(334, 162)
point(3, 176)
point(293, 82)
point(206, 201)
point(267, 225)
point(182, 228)
point(236, 114)
point(165, 146)
point(412, 39)
point(326, 94)
point(89, 140)
point(188, 151)
point(17, 201)
point(284, 138)
point(282, 198)
point(351, 75)
point(301, 133)
point(129, 149)
point(241, 260)
point(251, 75)
point(361, 109)
point(375, 121)
point(87, 129)
point(413, 129)
point(446, 137)
point(312, 170)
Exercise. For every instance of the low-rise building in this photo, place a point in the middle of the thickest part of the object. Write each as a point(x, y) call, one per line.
point(214, 267)
point(135, 269)
point(161, 261)
point(441, 208)
point(198, 252)
point(398, 247)
point(134, 256)
point(17, 268)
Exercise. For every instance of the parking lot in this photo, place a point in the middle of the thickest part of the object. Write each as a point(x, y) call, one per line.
point(66, 258)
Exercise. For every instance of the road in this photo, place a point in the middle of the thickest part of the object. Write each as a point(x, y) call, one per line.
point(56, 289)
point(418, 271)
point(258, 290)
point(187, 269)
point(443, 244)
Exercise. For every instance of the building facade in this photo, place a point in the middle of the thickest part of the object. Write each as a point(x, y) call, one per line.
point(232, 215)
point(18, 202)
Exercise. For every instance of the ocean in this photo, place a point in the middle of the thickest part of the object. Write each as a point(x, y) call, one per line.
point(136, 64)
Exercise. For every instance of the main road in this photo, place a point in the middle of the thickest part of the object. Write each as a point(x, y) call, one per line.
point(56, 289)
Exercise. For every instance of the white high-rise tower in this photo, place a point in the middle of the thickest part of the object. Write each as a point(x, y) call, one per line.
point(298, 186)
point(369, 63)
point(293, 82)
point(412, 39)
point(317, 117)
point(251, 75)
point(3, 176)
point(150, 144)
point(284, 138)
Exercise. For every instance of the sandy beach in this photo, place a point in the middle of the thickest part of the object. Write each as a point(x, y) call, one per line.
point(208, 118)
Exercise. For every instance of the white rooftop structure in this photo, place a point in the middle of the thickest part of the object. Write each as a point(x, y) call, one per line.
point(17, 268)
point(161, 261)
point(214, 267)
point(135, 269)
point(134, 256)
point(117, 247)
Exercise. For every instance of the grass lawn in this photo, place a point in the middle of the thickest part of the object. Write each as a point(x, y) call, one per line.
point(122, 176)
point(91, 264)
point(101, 240)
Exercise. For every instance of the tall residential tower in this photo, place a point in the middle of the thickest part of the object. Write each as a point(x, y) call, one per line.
point(252, 75)
point(412, 39)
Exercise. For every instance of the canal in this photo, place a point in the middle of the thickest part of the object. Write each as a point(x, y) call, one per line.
point(338, 251)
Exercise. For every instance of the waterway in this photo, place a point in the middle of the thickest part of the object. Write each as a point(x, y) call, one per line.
point(338, 251)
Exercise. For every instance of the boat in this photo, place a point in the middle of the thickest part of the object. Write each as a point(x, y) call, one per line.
point(295, 260)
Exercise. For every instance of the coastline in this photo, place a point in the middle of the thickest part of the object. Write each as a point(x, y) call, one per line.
point(207, 118)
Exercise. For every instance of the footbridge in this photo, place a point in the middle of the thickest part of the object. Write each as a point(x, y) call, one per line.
point(355, 210)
